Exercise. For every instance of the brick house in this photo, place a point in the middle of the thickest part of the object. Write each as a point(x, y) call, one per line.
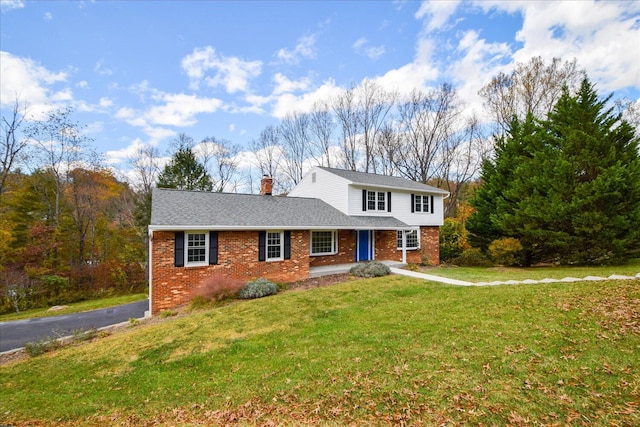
point(331, 217)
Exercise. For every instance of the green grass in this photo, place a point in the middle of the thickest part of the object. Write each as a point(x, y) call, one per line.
point(75, 307)
point(483, 274)
point(379, 351)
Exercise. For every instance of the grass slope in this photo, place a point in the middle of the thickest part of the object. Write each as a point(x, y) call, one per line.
point(483, 274)
point(381, 351)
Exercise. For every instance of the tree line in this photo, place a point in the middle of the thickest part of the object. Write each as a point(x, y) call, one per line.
point(555, 166)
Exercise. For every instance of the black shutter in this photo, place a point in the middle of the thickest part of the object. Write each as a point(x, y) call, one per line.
point(431, 204)
point(287, 244)
point(179, 249)
point(389, 201)
point(213, 247)
point(413, 203)
point(364, 200)
point(262, 245)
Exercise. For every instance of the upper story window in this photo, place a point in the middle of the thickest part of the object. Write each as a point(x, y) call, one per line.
point(324, 242)
point(275, 243)
point(421, 203)
point(196, 250)
point(375, 201)
point(413, 239)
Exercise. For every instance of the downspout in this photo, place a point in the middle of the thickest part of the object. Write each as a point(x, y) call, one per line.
point(150, 278)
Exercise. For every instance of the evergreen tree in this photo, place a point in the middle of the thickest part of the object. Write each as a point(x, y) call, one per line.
point(568, 187)
point(184, 172)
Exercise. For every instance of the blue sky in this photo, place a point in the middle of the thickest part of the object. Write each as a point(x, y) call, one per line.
point(141, 72)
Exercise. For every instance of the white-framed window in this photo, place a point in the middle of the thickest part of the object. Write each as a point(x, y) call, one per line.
point(196, 248)
point(275, 245)
point(421, 203)
point(376, 201)
point(324, 242)
point(413, 239)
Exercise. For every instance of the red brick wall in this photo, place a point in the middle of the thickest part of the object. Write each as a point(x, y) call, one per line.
point(237, 258)
point(387, 247)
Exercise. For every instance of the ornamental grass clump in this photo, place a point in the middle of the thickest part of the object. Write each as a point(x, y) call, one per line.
point(257, 289)
point(370, 269)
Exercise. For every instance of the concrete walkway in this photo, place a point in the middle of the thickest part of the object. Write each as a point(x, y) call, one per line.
point(433, 278)
point(396, 268)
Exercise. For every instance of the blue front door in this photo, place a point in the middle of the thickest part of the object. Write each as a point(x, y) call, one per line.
point(364, 251)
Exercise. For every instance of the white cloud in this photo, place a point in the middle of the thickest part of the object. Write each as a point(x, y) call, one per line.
point(408, 77)
point(372, 52)
point(437, 12)
point(31, 83)
point(180, 109)
point(47, 16)
point(83, 84)
point(101, 69)
point(177, 110)
point(602, 36)
point(289, 103)
point(284, 85)
point(124, 154)
point(232, 73)
point(479, 61)
point(305, 48)
point(7, 5)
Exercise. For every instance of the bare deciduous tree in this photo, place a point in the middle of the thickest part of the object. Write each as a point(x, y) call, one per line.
point(321, 128)
point(60, 146)
point(12, 147)
point(219, 157)
point(533, 87)
point(426, 123)
point(345, 109)
point(374, 105)
point(268, 155)
point(294, 133)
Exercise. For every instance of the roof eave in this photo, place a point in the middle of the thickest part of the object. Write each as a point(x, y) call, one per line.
point(153, 228)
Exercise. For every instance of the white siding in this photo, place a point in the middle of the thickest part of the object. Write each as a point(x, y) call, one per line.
point(347, 198)
point(401, 209)
point(327, 187)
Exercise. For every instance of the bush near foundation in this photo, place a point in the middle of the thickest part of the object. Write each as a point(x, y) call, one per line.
point(257, 289)
point(217, 288)
point(370, 269)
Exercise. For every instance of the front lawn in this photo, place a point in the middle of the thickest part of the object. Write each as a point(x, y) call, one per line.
point(386, 351)
point(484, 274)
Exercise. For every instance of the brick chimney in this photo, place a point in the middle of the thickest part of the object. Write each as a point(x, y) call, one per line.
point(266, 185)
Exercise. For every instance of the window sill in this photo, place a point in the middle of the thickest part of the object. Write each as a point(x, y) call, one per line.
point(199, 264)
point(324, 254)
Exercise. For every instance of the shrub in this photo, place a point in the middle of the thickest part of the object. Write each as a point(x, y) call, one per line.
point(36, 348)
point(257, 289)
point(472, 258)
point(453, 239)
point(506, 251)
point(217, 288)
point(370, 269)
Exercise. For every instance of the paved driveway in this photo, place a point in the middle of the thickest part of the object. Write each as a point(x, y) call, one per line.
point(17, 333)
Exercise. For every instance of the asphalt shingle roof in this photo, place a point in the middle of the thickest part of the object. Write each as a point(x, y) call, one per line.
point(177, 208)
point(364, 178)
